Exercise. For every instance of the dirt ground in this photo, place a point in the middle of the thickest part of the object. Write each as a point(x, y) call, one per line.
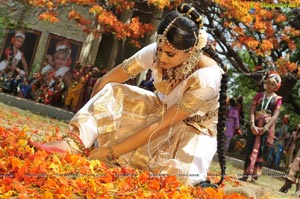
point(266, 186)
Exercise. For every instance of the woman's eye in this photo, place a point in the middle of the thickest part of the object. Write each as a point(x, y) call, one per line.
point(171, 54)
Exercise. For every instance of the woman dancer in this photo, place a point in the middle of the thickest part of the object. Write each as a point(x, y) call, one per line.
point(264, 112)
point(174, 131)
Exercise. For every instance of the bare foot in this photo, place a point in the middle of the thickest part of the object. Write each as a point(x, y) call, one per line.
point(53, 147)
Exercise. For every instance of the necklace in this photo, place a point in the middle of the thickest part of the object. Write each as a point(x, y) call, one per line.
point(177, 74)
point(267, 104)
point(170, 78)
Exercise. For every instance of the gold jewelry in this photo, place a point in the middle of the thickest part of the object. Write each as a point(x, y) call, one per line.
point(198, 19)
point(199, 119)
point(162, 39)
point(178, 74)
point(132, 67)
point(172, 77)
point(111, 155)
point(190, 11)
point(75, 143)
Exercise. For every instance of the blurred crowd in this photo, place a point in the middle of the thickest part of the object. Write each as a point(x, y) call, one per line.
point(59, 82)
point(69, 91)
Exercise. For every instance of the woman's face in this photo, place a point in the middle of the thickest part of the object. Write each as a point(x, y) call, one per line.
point(60, 59)
point(270, 86)
point(19, 42)
point(169, 58)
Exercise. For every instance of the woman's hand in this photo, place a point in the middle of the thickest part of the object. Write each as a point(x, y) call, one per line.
point(99, 153)
point(261, 131)
point(254, 129)
point(257, 130)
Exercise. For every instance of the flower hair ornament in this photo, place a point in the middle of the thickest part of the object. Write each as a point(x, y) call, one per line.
point(202, 39)
point(63, 46)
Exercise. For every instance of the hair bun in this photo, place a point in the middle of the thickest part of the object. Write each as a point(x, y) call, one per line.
point(190, 11)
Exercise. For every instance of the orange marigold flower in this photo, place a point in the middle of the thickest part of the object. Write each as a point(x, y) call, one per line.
point(161, 4)
point(238, 30)
point(73, 15)
point(247, 19)
point(280, 18)
point(260, 26)
point(251, 43)
point(266, 45)
point(96, 9)
point(49, 16)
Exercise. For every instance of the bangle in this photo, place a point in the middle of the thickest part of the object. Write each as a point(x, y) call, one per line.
point(75, 143)
point(111, 156)
point(251, 123)
point(265, 128)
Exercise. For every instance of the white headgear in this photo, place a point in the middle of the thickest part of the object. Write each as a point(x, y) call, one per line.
point(19, 34)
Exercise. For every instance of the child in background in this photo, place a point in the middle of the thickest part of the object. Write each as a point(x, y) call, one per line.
point(264, 111)
point(13, 55)
point(48, 64)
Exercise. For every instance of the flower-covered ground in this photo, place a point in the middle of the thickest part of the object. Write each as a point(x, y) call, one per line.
point(26, 173)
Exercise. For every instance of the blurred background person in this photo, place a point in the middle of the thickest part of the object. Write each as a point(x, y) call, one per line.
point(232, 122)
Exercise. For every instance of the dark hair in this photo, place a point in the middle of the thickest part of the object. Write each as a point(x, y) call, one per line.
point(222, 110)
point(183, 33)
point(232, 102)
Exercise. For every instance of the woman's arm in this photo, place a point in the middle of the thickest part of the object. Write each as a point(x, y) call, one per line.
point(252, 118)
point(171, 117)
point(273, 119)
point(117, 74)
point(275, 115)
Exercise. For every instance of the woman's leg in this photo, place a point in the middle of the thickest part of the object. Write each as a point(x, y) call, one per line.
point(278, 156)
point(53, 147)
point(271, 156)
point(117, 108)
point(203, 155)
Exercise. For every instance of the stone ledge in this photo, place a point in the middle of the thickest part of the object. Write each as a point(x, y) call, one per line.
point(35, 107)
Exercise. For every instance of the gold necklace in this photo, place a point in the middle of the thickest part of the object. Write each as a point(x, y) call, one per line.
point(172, 77)
point(178, 74)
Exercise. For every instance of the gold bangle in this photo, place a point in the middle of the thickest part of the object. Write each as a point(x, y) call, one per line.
point(265, 128)
point(76, 144)
point(111, 156)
